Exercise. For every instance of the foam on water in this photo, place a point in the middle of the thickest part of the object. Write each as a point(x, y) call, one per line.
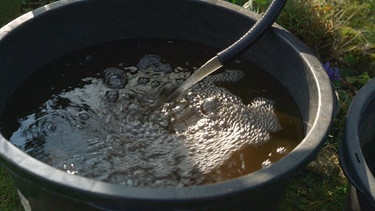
point(96, 112)
point(105, 130)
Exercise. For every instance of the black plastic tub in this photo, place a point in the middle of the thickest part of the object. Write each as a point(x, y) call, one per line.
point(357, 150)
point(40, 36)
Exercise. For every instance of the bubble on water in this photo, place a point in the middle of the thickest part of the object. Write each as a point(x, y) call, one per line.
point(155, 84)
point(83, 115)
point(70, 170)
point(210, 105)
point(51, 127)
point(115, 78)
point(143, 80)
point(164, 68)
point(149, 61)
point(128, 97)
point(281, 150)
point(267, 163)
point(111, 96)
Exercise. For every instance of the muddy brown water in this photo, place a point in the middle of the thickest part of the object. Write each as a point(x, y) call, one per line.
point(79, 115)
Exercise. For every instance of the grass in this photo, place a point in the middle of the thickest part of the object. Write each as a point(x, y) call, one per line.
point(9, 200)
point(341, 32)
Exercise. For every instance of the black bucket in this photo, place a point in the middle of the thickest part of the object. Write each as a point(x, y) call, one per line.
point(40, 36)
point(357, 150)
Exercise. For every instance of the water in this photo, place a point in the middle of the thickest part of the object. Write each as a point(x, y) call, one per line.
point(92, 113)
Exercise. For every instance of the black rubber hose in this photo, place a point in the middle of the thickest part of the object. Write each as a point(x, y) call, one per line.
point(241, 45)
point(250, 38)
